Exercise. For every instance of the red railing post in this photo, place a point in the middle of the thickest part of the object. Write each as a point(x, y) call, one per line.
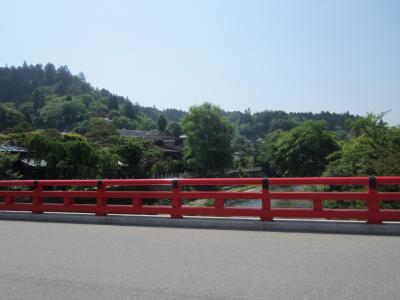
point(137, 202)
point(317, 204)
point(374, 215)
point(176, 200)
point(37, 199)
point(100, 200)
point(373, 202)
point(265, 201)
point(219, 203)
point(68, 201)
point(9, 200)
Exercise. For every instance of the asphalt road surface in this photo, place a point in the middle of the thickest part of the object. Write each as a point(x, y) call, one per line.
point(74, 261)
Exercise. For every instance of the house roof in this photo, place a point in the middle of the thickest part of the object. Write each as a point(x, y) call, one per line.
point(151, 135)
point(12, 149)
point(165, 142)
point(34, 163)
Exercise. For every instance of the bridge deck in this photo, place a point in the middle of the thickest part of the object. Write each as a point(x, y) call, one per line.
point(75, 261)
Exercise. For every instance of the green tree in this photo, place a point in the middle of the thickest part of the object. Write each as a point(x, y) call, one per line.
point(21, 127)
point(101, 132)
point(50, 73)
point(47, 146)
point(208, 146)
point(166, 167)
point(73, 111)
point(107, 163)
point(302, 151)
point(68, 157)
point(128, 109)
point(161, 123)
point(113, 102)
point(375, 150)
point(137, 156)
point(38, 98)
point(7, 169)
point(87, 99)
point(9, 117)
point(28, 111)
point(145, 123)
point(173, 129)
point(40, 95)
point(51, 114)
point(123, 123)
point(79, 160)
point(97, 109)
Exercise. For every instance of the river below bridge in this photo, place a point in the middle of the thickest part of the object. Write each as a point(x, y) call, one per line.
point(275, 203)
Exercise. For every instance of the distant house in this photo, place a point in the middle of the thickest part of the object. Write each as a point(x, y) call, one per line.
point(238, 155)
point(12, 149)
point(28, 167)
point(169, 145)
point(149, 135)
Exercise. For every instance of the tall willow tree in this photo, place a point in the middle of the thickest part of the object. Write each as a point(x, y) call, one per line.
point(208, 146)
point(161, 123)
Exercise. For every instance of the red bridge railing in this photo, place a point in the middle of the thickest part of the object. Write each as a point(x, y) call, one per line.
point(41, 195)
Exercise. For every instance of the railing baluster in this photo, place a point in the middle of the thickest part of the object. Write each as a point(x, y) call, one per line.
point(176, 200)
point(137, 202)
point(317, 204)
point(68, 201)
point(265, 201)
point(100, 200)
point(374, 215)
point(10, 200)
point(37, 200)
point(373, 203)
point(219, 203)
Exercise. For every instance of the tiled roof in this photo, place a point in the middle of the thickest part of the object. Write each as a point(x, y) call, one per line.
point(140, 133)
point(150, 135)
point(8, 148)
point(34, 162)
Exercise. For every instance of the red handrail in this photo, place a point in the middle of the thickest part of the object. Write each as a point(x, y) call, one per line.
point(174, 189)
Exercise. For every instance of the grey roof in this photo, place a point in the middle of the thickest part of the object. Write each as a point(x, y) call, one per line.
point(167, 142)
point(149, 135)
point(34, 163)
point(140, 133)
point(13, 149)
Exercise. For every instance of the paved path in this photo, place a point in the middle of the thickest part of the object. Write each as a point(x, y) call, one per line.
point(76, 261)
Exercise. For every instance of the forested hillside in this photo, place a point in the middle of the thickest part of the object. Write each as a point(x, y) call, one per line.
point(69, 129)
point(39, 97)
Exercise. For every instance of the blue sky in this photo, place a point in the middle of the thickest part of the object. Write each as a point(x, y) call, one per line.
point(289, 55)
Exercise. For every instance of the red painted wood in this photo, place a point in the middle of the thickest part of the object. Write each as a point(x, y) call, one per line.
point(101, 191)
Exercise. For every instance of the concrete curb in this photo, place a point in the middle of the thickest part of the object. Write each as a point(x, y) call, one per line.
point(316, 226)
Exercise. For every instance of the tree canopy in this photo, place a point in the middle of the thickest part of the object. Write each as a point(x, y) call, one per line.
point(161, 123)
point(66, 122)
point(301, 151)
point(209, 134)
point(375, 150)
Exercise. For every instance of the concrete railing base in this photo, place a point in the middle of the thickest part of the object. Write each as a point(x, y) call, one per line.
point(317, 226)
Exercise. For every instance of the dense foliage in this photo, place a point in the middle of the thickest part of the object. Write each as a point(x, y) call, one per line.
point(72, 127)
point(301, 151)
point(50, 97)
point(73, 156)
point(208, 146)
point(375, 150)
